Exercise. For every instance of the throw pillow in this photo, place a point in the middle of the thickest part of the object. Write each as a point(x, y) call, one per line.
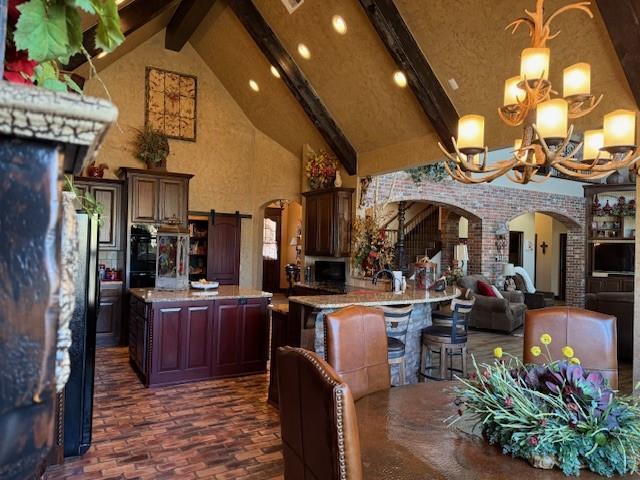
point(485, 289)
point(496, 291)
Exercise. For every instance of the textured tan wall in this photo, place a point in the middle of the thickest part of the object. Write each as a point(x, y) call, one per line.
point(236, 166)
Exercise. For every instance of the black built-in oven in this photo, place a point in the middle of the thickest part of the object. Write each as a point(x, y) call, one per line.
point(142, 267)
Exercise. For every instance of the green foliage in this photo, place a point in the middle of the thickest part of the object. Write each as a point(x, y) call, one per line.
point(434, 172)
point(51, 32)
point(151, 147)
point(557, 411)
point(86, 199)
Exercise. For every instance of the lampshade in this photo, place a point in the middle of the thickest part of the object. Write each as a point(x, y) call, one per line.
point(471, 132)
point(513, 93)
point(534, 64)
point(593, 142)
point(552, 118)
point(620, 128)
point(577, 80)
point(461, 253)
point(509, 270)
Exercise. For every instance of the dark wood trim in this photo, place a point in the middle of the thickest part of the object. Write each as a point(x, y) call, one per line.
point(235, 214)
point(184, 22)
point(123, 172)
point(402, 46)
point(97, 180)
point(293, 77)
point(328, 190)
point(621, 18)
point(132, 16)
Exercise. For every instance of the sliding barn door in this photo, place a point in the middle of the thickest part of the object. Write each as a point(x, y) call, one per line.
point(223, 263)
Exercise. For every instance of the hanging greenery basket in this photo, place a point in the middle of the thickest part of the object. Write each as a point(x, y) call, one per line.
point(152, 148)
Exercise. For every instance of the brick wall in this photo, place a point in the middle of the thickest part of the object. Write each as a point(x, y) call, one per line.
point(487, 206)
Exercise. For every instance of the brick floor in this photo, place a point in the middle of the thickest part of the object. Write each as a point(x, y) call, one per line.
point(219, 429)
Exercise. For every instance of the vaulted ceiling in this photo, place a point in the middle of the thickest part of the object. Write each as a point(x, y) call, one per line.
point(352, 74)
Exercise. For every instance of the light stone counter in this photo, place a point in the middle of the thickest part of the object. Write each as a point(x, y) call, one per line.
point(420, 318)
point(223, 292)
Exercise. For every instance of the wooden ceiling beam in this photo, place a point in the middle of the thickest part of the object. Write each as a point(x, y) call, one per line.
point(132, 17)
point(293, 77)
point(396, 36)
point(622, 19)
point(185, 21)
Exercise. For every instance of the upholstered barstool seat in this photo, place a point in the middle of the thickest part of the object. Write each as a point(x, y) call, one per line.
point(441, 333)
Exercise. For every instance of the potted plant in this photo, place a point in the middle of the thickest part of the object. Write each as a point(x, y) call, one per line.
point(372, 249)
point(321, 170)
point(553, 414)
point(43, 34)
point(152, 148)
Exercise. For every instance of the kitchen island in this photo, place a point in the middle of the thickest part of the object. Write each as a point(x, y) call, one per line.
point(306, 316)
point(192, 335)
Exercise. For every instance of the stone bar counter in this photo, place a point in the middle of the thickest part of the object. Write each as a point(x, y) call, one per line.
point(306, 314)
point(192, 335)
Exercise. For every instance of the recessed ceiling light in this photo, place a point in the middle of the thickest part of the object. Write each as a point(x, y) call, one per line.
point(304, 51)
point(339, 25)
point(400, 79)
point(275, 72)
point(102, 54)
point(254, 85)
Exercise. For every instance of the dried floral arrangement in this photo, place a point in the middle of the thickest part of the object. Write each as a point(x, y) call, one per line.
point(553, 414)
point(372, 249)
point(151, 148)
point(321, 170)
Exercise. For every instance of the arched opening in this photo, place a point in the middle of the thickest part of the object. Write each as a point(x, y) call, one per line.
point(281, 231)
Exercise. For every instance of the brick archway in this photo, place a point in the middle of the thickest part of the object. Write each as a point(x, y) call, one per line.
point(493, 206)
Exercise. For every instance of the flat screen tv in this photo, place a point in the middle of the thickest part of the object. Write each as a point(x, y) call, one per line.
point(614, 257)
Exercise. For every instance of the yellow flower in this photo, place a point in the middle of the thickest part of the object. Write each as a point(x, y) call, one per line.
point(568, 352)
point(497, 352)
point(536, 351)
point(575, 361)
point(545, 338)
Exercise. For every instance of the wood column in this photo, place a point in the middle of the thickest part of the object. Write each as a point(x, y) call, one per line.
point(636, 305)
point(401, 261)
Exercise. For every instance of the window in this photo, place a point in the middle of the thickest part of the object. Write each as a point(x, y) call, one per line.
point(269, 242)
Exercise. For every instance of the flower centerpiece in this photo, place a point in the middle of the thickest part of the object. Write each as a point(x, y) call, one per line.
point(372, 249)
point(321, 170)
point(553, 414)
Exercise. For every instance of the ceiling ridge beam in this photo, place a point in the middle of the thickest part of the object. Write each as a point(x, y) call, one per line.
point(402, 46)
point(185, 21)
point(622, 19)
point(132, 17)
point(268, 42)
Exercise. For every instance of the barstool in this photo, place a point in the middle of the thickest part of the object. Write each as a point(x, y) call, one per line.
point(447, 341)
point(397, 320)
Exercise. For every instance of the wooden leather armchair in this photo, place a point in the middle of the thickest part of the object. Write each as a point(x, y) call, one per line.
point(592, 335)
point(356, 347)
point(317, 418)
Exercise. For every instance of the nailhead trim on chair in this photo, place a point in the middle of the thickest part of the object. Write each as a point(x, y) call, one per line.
point(339, 398)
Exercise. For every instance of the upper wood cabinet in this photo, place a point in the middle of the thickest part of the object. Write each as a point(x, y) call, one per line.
point(156, 197)
point(109, 194)
point(328, 222)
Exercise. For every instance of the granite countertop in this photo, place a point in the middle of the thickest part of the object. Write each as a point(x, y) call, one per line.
point(223, 292)
point(372, 298)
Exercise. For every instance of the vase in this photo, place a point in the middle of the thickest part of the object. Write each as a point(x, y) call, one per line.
point(544, 462)
point(338, 180)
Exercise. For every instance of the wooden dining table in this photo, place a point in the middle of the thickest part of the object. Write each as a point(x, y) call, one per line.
point(404, 436)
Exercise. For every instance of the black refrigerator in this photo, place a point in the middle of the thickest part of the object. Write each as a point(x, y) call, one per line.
point(78, 394)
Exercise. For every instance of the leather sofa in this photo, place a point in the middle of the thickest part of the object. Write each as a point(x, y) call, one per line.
point(620, 305)
point(493, 313)
point(592, 335)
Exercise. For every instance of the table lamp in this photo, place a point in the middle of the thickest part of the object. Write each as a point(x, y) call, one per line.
point(509, 271)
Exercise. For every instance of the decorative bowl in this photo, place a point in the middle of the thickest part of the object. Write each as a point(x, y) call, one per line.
point(205, 286)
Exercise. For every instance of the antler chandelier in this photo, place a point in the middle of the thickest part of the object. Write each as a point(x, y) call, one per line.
point(546, 134)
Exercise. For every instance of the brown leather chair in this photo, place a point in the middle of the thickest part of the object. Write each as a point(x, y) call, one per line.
point(356, 347)
point(592, 336)
point(317, 419)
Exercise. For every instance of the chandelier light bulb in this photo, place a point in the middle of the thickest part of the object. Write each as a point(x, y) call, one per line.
point(512, 92)
point(577, 80)
point(471, 132)
point(620, 129)
point(593, 142)
point(254, 85)
point(274, 72)
point(552, 118)
point(339, 24)
point(534, 64)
